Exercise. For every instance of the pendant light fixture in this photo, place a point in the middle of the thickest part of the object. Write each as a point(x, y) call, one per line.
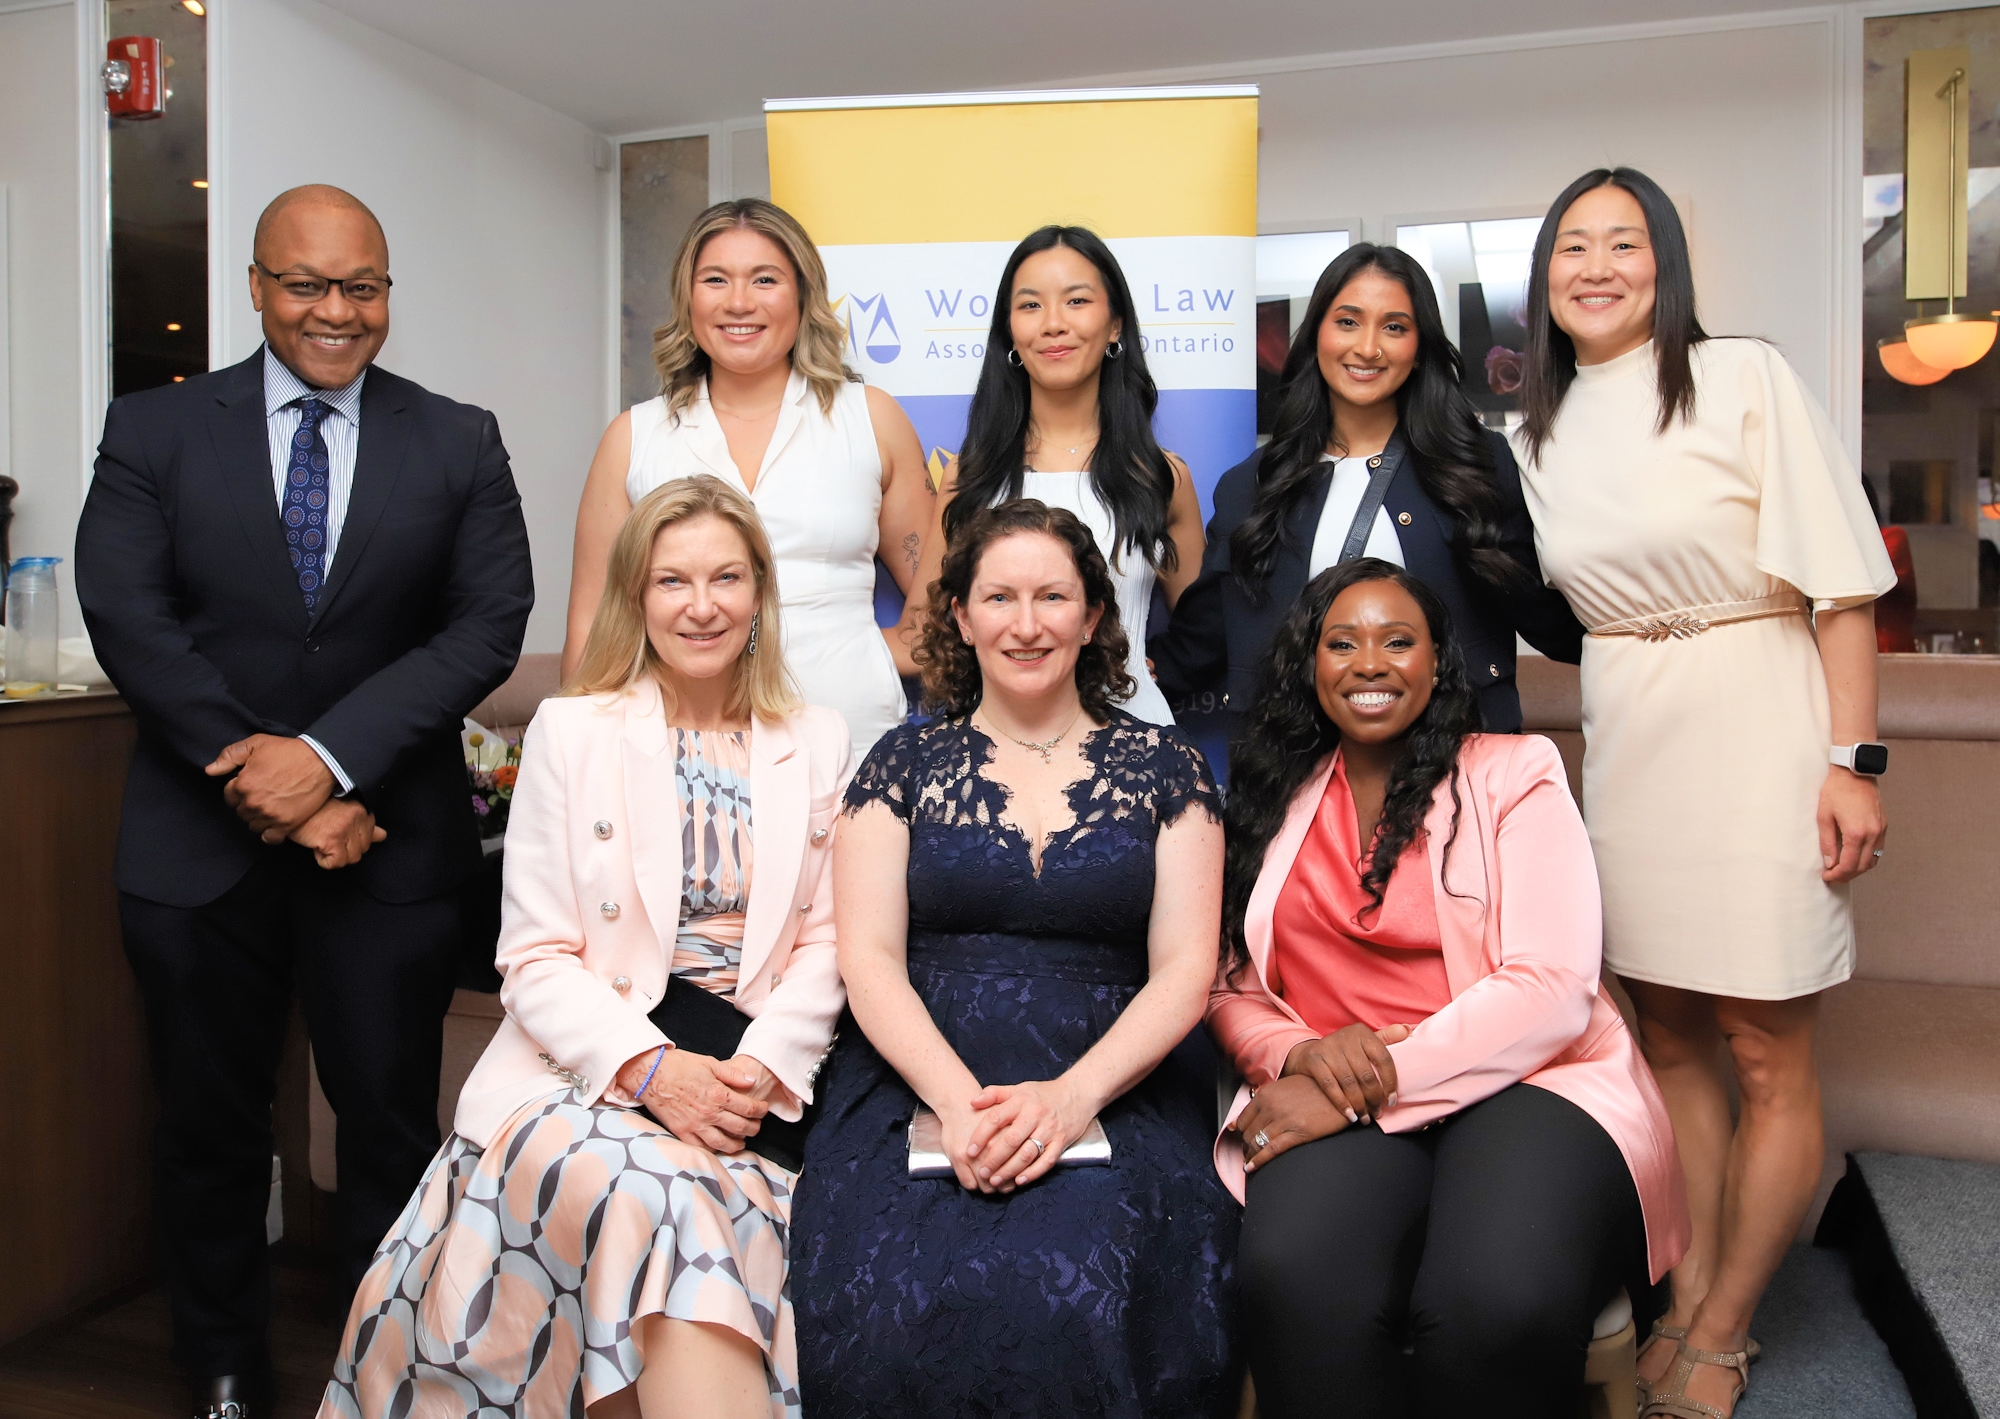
point(1950, 341)
point(1904, 366)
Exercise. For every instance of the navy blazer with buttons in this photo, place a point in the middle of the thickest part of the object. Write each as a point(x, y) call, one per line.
point(1218, 636)
point(195, 612)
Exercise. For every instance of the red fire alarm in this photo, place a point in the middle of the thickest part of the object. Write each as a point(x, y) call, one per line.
point(134, 78)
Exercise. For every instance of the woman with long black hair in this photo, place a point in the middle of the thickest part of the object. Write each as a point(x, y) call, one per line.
point(1063, 413)
point(1447, 1140)
point(1698, 511)
point(1376, 450)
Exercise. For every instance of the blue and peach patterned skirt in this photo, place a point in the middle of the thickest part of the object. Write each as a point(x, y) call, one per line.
point(515, 1281)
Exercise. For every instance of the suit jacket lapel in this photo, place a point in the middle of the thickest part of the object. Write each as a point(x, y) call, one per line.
point(1288, 572)
point(243, 457)
point(1461, 911)
point(652, 810)
point(780, 797)
point(378, 463)
point(1278, 859)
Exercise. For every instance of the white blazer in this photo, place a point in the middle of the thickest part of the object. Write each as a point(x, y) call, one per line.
point(593, 897)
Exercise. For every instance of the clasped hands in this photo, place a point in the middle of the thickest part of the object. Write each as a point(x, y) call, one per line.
point(282, 790)
point(1347, 1078)
point(712, 1103)
point(988, 1138)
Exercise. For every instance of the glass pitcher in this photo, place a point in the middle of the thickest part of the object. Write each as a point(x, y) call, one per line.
point(31, 628)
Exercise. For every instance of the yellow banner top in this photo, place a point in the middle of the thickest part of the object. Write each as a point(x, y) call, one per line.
point(994, 171)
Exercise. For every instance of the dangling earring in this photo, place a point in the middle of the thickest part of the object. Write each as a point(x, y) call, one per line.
point(1014, 358)
point(751, 649)
point(1114, 349)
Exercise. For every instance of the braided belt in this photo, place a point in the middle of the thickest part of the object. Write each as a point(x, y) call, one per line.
point(1691, 621)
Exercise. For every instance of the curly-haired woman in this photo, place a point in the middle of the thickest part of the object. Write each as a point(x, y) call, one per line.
point(1448, 1139)
point(753, 390)
point(1026, 892)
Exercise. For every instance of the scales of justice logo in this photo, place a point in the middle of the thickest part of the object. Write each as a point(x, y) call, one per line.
point(879, 338)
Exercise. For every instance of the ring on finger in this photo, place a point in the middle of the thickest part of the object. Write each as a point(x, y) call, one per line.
point(1262, 1140)
point(1040, 1147)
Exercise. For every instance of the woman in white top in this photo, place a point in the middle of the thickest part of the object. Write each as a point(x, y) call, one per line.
point(1064, 414)
point(754, 391)
point(1697, 509)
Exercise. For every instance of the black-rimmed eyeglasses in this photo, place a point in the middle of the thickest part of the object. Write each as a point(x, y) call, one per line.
point(362, 290)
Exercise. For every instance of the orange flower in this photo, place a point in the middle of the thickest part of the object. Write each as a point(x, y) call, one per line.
point(505, 775)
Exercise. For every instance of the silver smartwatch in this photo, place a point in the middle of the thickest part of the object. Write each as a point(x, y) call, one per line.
point(1869, 759)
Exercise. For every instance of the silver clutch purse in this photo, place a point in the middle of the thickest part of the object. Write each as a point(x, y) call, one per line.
point(928, 1160)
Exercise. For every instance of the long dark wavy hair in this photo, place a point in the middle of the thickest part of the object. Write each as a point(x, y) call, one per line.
point(952, 683)
point(1130, 474)
point(1454, 460)
point(1287, 735)
point(1550, 364)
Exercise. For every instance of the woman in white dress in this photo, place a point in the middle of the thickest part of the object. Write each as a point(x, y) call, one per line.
point(1064, 413)
point(754, 391)
point(1697, 509)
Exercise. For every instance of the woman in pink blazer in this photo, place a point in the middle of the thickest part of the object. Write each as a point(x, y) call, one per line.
point(1447, 1138)
point(608, 1221)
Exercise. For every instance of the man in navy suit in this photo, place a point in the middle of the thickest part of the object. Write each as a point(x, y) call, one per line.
point(300, 572)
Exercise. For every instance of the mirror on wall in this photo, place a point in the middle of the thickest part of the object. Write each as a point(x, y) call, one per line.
point(158, 328)
point(1479, 270)
point(1288, 266)
point(1931, 231)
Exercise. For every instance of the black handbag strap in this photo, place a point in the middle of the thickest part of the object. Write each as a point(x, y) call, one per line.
point(1381, 473)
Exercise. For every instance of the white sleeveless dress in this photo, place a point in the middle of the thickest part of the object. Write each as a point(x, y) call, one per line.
point(819, 494)
point(1131, 574)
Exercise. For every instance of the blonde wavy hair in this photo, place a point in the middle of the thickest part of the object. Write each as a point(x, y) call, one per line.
point(618, 652)
point(681, 361)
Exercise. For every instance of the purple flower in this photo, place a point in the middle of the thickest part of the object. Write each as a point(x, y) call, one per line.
point(479, 806)
point(1504, 369)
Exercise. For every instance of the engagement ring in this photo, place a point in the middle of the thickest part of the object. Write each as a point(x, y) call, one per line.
point(1262, 1140)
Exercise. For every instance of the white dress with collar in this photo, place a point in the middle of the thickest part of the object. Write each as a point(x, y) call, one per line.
point(819, 494)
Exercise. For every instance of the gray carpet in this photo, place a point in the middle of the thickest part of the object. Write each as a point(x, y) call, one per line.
point(1943, 1219)
point(1821, 1356)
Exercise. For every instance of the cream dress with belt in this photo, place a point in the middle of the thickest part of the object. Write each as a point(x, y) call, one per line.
point(819, 495)
point(1706, 733)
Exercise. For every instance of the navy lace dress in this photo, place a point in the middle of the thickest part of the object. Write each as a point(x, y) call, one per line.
point(1095, 1290)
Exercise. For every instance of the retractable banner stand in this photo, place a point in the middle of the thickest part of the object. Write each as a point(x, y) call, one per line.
point(916, 201)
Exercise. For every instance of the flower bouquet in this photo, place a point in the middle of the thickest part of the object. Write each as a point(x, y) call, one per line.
point(491, 764)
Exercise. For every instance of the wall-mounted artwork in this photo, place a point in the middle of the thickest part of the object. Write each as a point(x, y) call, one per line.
point(1480, 272)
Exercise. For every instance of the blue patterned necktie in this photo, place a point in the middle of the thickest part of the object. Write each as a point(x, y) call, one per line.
point(305, 502)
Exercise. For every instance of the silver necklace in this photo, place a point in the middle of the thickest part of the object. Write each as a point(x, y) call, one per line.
point(1044, 747)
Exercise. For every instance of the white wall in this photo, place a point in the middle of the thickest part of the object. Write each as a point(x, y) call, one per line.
point(38, 167)
point(494, 210)
point(1742, 123)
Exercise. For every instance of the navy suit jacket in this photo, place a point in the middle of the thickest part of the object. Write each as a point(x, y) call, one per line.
point(195, 613)
point(1218, 636)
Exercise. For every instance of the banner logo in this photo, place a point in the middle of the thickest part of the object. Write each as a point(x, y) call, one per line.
point(882, 342)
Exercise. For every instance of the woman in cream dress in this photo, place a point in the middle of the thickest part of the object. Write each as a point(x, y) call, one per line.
point(754, 392)
point(1696, 508)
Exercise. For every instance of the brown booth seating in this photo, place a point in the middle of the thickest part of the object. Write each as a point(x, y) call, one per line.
point(1909, 1049)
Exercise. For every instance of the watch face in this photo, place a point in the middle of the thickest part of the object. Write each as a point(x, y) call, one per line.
point(1871, 758)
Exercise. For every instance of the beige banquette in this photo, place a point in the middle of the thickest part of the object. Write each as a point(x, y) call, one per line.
point(1910, 1048)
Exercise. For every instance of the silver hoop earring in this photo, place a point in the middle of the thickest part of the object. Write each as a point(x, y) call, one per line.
point(1014, 358)
point(751, 649)
point(1114, 349)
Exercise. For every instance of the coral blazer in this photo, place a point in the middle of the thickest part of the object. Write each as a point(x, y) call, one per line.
point(1522, 930)
point(593, 900)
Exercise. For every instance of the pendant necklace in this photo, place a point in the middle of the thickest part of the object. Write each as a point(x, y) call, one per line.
point(1044, 747)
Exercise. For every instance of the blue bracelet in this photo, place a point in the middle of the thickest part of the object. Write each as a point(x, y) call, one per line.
point(640, 1092)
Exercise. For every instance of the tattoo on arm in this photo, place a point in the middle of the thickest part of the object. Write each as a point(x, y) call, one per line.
point(912, 547)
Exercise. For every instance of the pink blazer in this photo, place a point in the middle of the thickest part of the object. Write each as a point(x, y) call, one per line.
point(1522, 930)
point(593, 899)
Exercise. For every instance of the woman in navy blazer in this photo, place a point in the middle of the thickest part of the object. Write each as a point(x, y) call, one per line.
point(1370, 388)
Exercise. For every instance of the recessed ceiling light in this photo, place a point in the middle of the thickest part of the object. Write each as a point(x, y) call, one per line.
point(202, 183)
point(173, 325)
point(194, 7)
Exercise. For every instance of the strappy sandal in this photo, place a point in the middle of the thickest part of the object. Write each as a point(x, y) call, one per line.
point(1670, 1400)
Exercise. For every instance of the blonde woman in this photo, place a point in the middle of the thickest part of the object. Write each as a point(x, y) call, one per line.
point(606, 1226)
point(754, 390)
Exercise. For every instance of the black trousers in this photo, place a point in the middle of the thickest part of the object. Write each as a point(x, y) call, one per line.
point(217, 981)
point(1447, 1272)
